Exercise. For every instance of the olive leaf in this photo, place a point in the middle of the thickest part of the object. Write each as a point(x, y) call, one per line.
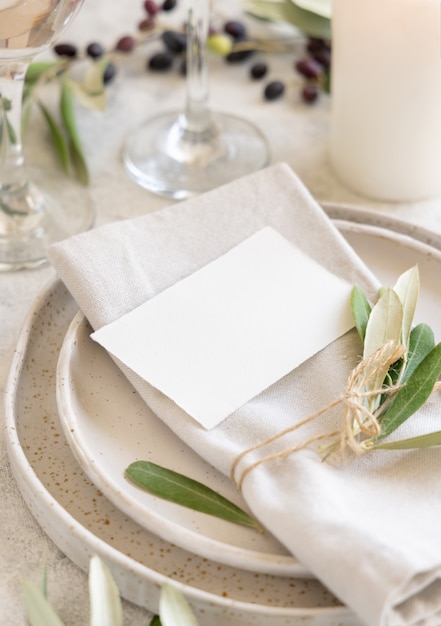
point(105, 601)
point(68, 116)
point(155, 621)
point(11, 132)
point(422, 441)
point(5, 108)
point(91, 92)
point(38, 609)
point(320, 7)
point(413, 394)
point(65, 136)
point(174, 609)
point(384, 322)
point(185, 491)
point(310, 23)
point(361, 310)
point(383, 327)
point(36, 70)
point(421, 342)
point(26, 114)
point(407, 288)
point(59, 140)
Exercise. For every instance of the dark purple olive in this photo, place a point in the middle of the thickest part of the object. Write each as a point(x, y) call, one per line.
point(125, 44)
point(169, 5)
point(109, 73)
point(66, 50)
point(310, 68)
point(160, 62)
point(310, 93)
point(174, 41)
point(258, 70)
point(238, 56)
point(95, 50)
point(235, 29)
point(274, 90)
point(151, 7)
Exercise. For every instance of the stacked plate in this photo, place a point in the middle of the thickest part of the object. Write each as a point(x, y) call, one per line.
point(74, 424)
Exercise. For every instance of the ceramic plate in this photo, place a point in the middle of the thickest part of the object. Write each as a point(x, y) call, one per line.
point(82, 521)
point(108, 426)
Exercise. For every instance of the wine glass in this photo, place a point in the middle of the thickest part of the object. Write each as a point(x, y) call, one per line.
point(181, 154)
point(36, 207)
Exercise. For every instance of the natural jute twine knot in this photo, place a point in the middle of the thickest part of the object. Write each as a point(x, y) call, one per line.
point(360, 416)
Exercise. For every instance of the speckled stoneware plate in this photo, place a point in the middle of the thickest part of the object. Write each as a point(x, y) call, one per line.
point(108, 426)
point(82, 521)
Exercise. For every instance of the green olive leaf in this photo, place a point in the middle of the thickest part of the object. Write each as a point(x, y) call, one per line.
point(326, 83)
point(319, 7)
point(361, 310)
point(407, 288)
point(421, 342)
point(174, 609)
point(43, 583)
point(11, 132)
point(6, 104)
point(36, 70)
point(39, 611)
point(187, 492)
point(308, 22)
point(155, 621)
point(26, 114)
point(67, 110)
point(413, 394)
point(58, 138)
point(422, 441)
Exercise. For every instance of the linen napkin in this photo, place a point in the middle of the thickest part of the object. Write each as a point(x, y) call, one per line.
point(367, 528)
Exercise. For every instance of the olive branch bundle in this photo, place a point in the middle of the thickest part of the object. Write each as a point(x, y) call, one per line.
point(397, 374)
point(399, 370)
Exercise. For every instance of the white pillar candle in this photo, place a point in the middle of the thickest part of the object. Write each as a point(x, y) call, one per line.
point(385, 139)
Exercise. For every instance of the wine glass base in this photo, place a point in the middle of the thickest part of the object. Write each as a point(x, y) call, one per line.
point(171, 161)
point(57, 209)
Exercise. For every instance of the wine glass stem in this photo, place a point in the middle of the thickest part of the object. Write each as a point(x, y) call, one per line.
point(197, 112)
point(11, 150)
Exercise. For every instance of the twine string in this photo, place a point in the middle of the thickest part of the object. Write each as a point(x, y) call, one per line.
point(360, 417)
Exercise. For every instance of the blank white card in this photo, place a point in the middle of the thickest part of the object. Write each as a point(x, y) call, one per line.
point(222, 335)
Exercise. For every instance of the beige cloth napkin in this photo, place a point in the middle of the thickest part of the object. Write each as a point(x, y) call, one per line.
point(370, 528)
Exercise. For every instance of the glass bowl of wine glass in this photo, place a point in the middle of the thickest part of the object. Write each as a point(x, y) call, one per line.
point(180, 154)
point(37, 207)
